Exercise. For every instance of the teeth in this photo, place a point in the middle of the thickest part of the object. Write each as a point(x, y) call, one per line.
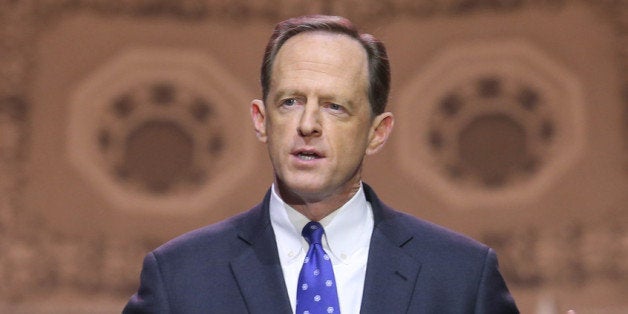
point(306, 156)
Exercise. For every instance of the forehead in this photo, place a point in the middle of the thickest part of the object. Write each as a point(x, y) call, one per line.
point(325, 39)
point(318, 54)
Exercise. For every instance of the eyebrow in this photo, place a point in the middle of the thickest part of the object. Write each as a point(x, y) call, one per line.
point(294, 92)
point(283, 93)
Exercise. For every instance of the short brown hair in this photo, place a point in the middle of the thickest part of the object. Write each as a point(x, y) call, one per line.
point(378, 66)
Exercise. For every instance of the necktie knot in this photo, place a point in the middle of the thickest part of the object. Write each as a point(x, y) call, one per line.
point(313, 232)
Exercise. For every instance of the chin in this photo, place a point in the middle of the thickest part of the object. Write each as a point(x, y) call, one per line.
point(306, 189)
point(302, 187)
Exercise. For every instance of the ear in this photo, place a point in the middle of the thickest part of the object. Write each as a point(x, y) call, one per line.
point(258, 114)
point(380, 130)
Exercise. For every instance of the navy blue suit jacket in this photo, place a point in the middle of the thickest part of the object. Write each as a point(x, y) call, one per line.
point(233, 267)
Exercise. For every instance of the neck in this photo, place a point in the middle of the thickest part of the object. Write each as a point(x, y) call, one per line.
point(316, 208)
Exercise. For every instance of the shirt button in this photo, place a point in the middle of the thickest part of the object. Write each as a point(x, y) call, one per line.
point(343, 256)
point(291, 254)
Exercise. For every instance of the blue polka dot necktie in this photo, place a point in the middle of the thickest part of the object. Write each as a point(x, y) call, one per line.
point(316, 292)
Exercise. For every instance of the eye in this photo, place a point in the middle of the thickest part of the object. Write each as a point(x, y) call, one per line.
point(289, 102)
point(336, 107)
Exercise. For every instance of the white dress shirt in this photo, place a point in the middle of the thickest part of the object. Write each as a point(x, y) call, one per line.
point(347, 237)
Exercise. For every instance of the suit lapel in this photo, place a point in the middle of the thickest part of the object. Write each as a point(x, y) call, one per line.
point(391, 273)
point(258, 270)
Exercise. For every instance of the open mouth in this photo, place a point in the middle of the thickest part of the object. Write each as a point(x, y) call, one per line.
point(307, 155)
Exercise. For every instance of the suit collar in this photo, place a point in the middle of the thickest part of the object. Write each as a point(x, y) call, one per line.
point(257, 270)
point(386, 220)
point(391, 273)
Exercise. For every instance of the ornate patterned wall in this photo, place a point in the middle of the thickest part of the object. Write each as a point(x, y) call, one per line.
point(503, 123)
point(115, 111)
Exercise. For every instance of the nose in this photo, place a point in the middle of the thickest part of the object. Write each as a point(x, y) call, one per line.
point(309, 122)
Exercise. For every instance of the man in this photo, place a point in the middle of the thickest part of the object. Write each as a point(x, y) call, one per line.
point(325, 88)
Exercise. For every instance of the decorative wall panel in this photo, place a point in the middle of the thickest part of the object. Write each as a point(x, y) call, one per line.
point(491, 123)
point(153, 130)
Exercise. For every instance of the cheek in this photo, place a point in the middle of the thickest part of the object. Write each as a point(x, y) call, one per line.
point(279, 137)
point(353, 142)
point(280, 122)
point(275, 128)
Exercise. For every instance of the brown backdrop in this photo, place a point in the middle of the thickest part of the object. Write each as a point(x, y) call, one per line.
point(125, 123)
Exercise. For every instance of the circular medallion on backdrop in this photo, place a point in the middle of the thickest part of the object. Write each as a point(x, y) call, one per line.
point(156, 129)
point(161, 138)
point(490, 123)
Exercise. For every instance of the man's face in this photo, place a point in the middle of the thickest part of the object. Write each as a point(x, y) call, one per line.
point(317, 120)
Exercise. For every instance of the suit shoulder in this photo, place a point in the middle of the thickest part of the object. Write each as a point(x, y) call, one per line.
point(439, 239)
point(404, 228)
point(218, 237)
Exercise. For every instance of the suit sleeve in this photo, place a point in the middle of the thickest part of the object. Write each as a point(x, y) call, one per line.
point(493, 295)
point(151, 296)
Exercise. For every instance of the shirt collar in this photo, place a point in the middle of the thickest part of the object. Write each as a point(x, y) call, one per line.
point(347, 229)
